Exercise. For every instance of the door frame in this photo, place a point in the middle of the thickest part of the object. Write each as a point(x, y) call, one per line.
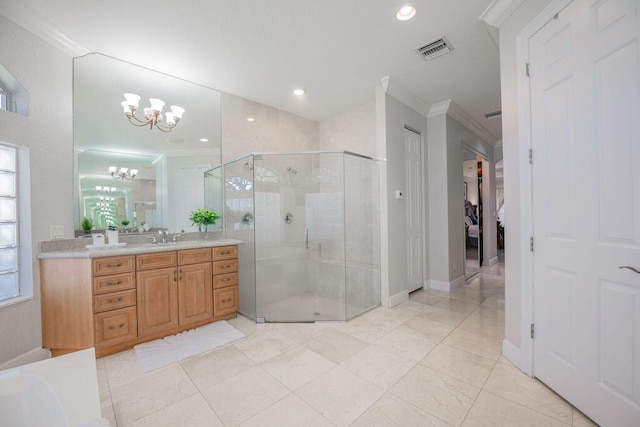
point(524, 357)
point(465, 146)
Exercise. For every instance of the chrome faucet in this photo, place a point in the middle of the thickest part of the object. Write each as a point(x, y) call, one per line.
point(164, 234)
point(175, 238)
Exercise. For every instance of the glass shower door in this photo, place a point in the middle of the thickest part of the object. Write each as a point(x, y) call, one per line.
point(299, 219)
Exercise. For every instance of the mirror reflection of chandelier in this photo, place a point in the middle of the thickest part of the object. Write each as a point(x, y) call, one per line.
point(153, 114)
point(105, 190)
point(122, 173)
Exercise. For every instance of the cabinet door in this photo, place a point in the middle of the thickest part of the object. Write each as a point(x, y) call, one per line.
point(225, 301)
point(157, 292)
point(114, 327)
point(195, 295)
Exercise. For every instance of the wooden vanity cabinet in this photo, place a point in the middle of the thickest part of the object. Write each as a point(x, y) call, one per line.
point(225, 280)
point(179, 295)
point(114, 300)
point(195, 294)
point(114, 303)
point(157, 291)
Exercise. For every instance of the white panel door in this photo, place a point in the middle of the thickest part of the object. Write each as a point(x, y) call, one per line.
point(585, 112)
point(413, 182)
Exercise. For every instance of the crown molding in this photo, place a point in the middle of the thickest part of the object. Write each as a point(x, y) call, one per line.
point(403, 95)
point(499, 11)
point(455, 112)
point(35, 23)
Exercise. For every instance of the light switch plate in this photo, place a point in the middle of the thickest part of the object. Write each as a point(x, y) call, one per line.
point(56, 232)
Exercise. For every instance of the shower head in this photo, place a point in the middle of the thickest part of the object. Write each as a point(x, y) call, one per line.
point(292, 170)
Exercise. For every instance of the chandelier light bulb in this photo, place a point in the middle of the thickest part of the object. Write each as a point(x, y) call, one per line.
point(156, 105)
point(177, 112)
point(132, 100)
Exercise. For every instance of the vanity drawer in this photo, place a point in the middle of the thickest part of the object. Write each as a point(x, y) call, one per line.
point(194, 256)
point(116, 282)
point(115, 326)
point(114, 300)
point(156, 260)
point(225, 301)
point(111, 265)
point(225, 280)
point(225, 252)
point(222, 267)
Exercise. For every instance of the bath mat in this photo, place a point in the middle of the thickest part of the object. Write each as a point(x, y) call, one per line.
point(156, 354)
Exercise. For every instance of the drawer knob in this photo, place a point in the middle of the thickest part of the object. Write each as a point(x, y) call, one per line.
point(119, 282)
point(114, 265)
point(111, 301)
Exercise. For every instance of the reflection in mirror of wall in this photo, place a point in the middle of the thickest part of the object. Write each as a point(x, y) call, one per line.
point(169, 178)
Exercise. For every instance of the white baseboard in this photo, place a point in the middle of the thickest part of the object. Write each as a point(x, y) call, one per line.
point(439, 285)
point(35, 355)
point(456, 283)
point(493, 261)
point(514, 355)
point(398, 298)
point(446, 286)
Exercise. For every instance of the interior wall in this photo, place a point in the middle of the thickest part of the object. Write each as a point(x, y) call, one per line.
point(438, 203)
point(353, 130)
point(47, 131)
point(515, 154)
point(396, 116)
point(272, 131)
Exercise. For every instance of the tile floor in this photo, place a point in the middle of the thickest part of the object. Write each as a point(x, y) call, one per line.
point(434, 360)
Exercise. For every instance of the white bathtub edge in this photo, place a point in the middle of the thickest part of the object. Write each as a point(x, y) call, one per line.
point(35, 355)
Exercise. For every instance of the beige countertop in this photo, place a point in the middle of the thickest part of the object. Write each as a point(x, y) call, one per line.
point(135, 249)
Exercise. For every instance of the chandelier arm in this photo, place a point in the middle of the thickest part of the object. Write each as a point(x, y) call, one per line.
point(137, 120)
point(163, 129)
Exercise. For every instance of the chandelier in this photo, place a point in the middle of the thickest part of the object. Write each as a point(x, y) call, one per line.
point(105, 190)
point(123, 173)
point(153, 114)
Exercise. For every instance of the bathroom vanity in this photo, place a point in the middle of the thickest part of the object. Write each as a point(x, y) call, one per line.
point(115, 299)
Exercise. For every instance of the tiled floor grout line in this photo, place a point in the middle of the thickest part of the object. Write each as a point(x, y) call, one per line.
point(531, 409)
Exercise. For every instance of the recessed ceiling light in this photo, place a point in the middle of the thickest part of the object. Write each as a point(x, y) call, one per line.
point(204, 140)
point(298, 92)
point(251, 119)
point(405, 13)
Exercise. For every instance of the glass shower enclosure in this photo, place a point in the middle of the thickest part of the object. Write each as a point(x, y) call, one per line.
point(310, 227)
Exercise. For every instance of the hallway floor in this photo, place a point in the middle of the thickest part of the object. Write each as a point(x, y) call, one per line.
point(434, 360)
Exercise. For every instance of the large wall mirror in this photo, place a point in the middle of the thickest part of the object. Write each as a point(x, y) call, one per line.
point(170, 166)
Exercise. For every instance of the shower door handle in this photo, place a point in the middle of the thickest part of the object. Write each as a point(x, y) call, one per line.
point(306, 238)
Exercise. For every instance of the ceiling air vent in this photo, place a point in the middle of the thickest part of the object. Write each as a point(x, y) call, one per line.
point(434, 49)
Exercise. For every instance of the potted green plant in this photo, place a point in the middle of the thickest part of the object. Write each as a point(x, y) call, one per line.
point(124, 223)
point(204, 218)
point(86, 224)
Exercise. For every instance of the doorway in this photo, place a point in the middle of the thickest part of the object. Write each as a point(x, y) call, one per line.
point(472, 195)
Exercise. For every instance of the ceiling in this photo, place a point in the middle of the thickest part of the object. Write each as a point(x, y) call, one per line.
point(261, 50)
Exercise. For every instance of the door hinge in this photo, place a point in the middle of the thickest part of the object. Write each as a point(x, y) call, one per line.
point(531, 243)
point(528, 69)
point(530, 156)
point(532, 330)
